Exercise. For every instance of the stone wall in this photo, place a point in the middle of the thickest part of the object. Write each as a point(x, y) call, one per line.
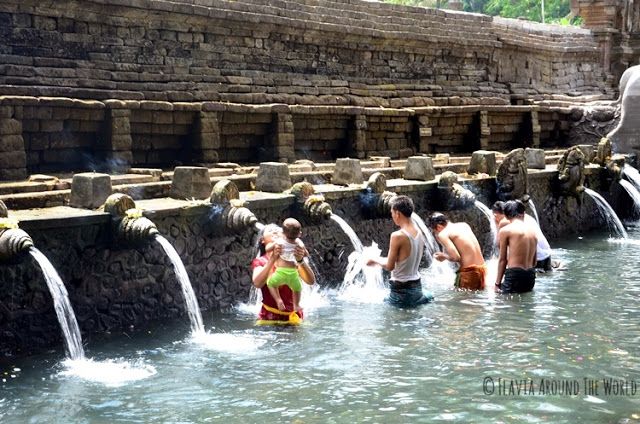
point(303, 52)
point(114, 287)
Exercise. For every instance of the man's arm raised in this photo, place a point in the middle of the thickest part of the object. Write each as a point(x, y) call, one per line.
point(389, 263)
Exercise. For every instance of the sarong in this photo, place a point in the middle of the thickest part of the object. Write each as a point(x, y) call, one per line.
point(407, 294)
point(471, 277)
point(518, 280)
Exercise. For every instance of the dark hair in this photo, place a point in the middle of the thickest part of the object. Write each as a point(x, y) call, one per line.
point(291, 228)
point(436, 219)
point(498, 207)
point(404, 205)
point(513, 208)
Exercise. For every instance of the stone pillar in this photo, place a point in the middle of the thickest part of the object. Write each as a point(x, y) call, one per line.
point(119, 141)
point(13, 157)
point(283, 137)
point(535, 158)
point(190, 182)
point(424, 134)
point(358, 136)
point(207, 137)
point(485, 130)
point(419, 168)
point(347, 171)
point(535, 129)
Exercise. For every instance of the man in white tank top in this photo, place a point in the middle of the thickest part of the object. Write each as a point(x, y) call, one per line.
point(406, 247)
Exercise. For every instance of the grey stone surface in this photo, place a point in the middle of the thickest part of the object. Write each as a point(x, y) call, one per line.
point(626, 136)
point(419, 168)
point(535, 158)
point(190, 182)
point(483, 162)
point(89, 190)
point(273, 177)
point(347, 171)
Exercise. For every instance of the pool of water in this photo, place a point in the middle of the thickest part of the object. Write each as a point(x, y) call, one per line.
point(359, 360)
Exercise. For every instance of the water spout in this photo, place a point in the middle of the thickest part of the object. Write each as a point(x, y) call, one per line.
point(353, 237)
point(431, 246)
point(532, 206)
point(633, 193)
point(191, 302)
point(228, 210)
point(312, 205)
point(62, 306)
point(608, 213)
point(492, 223)
point(129, 226)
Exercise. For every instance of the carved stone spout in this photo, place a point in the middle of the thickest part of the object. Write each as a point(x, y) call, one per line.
point(228, 210)
point(512, 177)
point(571, 172)
point(313, 205)
point(605, 157)
point(129, 227)
point(13, 241)
point(376, 200)
point(454, 195)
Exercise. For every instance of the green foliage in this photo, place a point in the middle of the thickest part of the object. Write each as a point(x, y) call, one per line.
point(555, 11)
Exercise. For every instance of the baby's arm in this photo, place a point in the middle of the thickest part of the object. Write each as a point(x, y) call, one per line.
point(269, 247)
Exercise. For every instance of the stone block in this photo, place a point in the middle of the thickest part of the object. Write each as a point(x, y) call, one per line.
point(273, 177)
point(419, 168)
point(535, 158)
point(89, 190)
point(347, 171)
point(483, 162)
point(589, 152)
point(191, 182)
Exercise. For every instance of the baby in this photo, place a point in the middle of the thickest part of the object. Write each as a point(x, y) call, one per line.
point(287, 267)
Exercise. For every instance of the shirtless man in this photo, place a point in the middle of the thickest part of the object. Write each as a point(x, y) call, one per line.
point(543, 249)
point(406, 247)
point(460, 245)
point(517, 260)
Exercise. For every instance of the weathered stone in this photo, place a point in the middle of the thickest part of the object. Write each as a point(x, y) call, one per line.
point(589, 152)
point(535, 158)
point(419, 168)
point(482, 162)
point(273, 177)
point(347, 171)
point(190, 182)
point(89, 190)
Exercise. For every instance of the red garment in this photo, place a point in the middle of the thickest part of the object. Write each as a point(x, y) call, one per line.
point(285, 293)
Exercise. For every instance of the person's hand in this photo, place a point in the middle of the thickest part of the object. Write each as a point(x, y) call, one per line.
point(439, 256)
point(300, 252)
point(372, 262)
point(276, 252)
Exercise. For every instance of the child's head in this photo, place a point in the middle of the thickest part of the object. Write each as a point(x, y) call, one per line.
point(291, 228)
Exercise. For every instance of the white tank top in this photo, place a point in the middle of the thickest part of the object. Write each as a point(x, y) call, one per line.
point(288, 250)
point(407, 269)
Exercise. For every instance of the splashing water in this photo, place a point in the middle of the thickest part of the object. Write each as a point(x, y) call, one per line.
point(353, 237)
point(608, 213)
point(62, 306)
point(632, 174)
point(110, 373)
point(633, 193)
point(363, 283)
point(532, 206)
point(187, 290)
point(492, 223)
point(431, 246)
point(236, 342)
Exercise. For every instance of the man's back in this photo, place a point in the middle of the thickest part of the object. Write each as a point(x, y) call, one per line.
point(465, 242)
point(521, 241)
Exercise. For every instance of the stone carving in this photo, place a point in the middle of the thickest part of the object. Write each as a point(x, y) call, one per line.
point(228, 210)
point(625, 137)
point(376, 200)
point(604, 157)
point(571, 172)
point(313, 205)
point(129, 227)
point(593, 123)
point(13, 241)
point(455, 196)
point(512, 177)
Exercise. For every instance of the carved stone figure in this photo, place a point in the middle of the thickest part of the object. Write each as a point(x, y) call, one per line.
point(455, 196)
point(603, 152)
point(129, 226)
point(512, 178)
point(313, 205)
point(625, 138)
point(227, 210)
point(571, 172)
